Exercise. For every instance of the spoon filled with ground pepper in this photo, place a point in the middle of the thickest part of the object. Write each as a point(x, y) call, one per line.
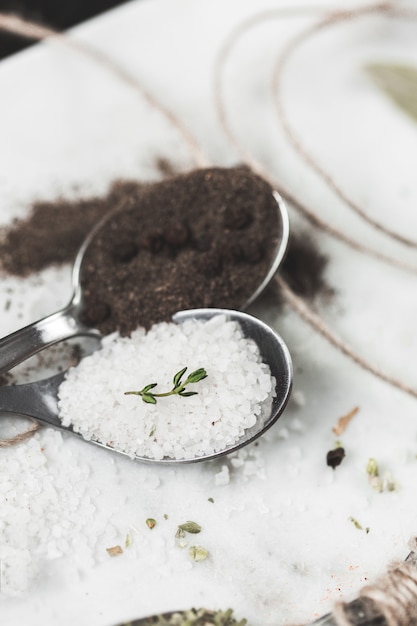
point(210, 238)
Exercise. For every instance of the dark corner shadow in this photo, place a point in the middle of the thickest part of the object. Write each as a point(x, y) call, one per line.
point(59, 15)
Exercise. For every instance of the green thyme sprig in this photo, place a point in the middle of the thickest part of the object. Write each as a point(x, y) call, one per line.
point(178, 389)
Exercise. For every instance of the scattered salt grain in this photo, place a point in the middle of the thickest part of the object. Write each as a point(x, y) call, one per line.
point(283, 433)
point(41, 521)
point(296, 425)
point(298, 398)
point(236, 462)
point(227, 402)
point(222, 477)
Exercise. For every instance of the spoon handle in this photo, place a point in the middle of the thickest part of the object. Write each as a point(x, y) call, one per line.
point(38, 400)
point(25, 342)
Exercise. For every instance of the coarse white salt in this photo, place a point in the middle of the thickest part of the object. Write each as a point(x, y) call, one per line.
point(229, 401)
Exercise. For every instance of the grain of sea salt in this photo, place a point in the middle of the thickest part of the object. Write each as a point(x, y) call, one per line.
point(42, 514)
point(238, 389)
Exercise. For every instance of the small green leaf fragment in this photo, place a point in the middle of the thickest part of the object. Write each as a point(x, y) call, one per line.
point(128, 540)
point(372, 468)
point(210, 499)
point(374, 479)
point(355, 523)
point(197, 553)
point(358, 525)
point(151, 522)
point(177, 378)
point(190, 527)
point(148, 398)
point(187, 394)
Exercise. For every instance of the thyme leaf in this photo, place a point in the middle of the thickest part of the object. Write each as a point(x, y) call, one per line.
point(177, 378)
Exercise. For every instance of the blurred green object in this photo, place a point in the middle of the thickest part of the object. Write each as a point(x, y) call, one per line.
point(399, 82)
point(193, 617)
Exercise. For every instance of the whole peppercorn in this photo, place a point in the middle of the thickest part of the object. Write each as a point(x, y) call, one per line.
point(335, 457)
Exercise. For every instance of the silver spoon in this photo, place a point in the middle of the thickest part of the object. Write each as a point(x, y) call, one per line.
point(66, 323)
point(39, 400)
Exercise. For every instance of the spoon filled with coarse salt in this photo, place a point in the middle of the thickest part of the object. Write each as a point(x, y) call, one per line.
point(202, 386)
point(195, 253)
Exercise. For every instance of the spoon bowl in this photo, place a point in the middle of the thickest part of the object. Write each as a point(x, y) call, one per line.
point(39, 400)
point(68, 323)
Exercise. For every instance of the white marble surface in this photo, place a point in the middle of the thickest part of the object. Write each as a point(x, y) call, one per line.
point(282, 548)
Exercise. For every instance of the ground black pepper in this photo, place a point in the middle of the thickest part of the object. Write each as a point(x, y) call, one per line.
point(51, 234)
point(304, 267)
point(201, 239)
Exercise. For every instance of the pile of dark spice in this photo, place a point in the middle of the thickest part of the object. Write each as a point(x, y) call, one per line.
point(53, 231)
point(203, 239)
point(304, 267)
point(51, 235)
point(210, 250)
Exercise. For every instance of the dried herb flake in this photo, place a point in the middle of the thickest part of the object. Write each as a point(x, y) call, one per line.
point(197, 553)
point(150, 522)
point(372, 468)
point(343, 422)
point(190, 527)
